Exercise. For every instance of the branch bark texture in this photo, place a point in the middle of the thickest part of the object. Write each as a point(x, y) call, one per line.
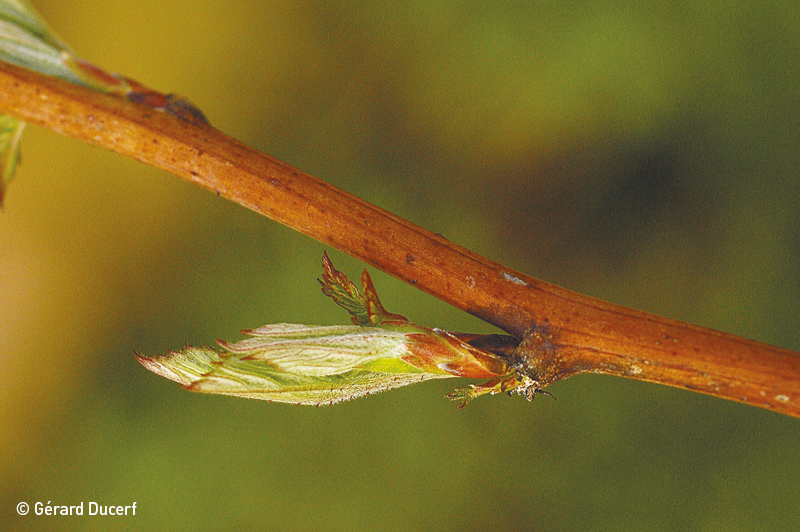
point(562, 333)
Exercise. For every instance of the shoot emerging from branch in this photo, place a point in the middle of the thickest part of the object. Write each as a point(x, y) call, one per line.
point(318, 365)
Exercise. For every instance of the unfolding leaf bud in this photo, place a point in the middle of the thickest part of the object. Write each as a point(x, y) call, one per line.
point(317, 365)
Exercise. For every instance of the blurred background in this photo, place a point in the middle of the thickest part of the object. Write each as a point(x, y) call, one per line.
point(644, 153)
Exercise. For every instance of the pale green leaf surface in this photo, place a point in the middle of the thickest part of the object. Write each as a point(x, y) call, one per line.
point(23, 15)
point(320, 351)
point(27, 41)
point(297, 364)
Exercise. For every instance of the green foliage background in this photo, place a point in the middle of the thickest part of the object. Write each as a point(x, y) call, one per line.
point(645, 153)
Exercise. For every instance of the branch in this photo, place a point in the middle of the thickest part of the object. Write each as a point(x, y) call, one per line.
point(562, 333)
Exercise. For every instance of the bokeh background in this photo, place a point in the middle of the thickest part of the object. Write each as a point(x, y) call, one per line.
point(646, 153)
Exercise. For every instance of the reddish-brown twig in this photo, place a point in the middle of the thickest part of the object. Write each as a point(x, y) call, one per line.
point(562, 332)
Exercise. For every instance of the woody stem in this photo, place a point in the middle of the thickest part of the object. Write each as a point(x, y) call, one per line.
point(562, 332)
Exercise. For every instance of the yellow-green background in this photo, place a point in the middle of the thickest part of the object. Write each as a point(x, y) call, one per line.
point(642, 152)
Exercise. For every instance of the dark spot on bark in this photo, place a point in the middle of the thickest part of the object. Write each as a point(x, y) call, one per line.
point(410, 258)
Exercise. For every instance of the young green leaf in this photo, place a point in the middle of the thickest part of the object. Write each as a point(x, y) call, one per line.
point(297, 364)
point(365, 311)
point(27, 41)
point(344, 293)
point(327, 364)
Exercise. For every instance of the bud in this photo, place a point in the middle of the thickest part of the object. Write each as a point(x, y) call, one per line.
point(316, 365)
point(299, 364)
